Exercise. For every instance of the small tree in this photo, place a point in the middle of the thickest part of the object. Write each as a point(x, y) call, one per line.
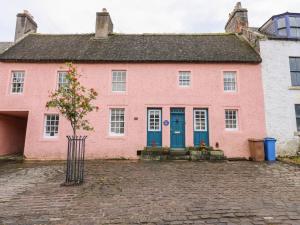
point(74, 101)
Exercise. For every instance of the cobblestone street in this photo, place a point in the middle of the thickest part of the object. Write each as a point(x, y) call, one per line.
point(132, 192)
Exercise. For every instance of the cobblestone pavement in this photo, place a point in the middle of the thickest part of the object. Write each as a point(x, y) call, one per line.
point(132, 192)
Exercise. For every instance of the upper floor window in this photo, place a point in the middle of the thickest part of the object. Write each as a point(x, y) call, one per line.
point(295, 70)
point(51, 125)
point(117, 121)
point(184, 78)
point(295, 26)
point(119, 81)
point(62, 79)
point(17, 81)
point(231, 119)
point(229, 81)
point(281, 26)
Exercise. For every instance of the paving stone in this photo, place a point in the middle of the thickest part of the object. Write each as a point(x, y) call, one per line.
point(154, 193)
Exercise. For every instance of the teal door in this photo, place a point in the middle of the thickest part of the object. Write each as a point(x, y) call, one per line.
point(201, 127)
point(154, 134)
point(177, 128)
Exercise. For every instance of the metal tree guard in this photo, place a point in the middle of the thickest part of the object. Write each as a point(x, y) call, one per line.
point(75, 160)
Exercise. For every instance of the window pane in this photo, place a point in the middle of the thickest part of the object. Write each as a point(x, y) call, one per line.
point(231, 119)
point(51, 125)
point(119, 81)
point(294, 21)
point(297, 112)
point(281, 22)
point(200, 120)
point(295, 32)
point(229, 81)
point(184, 78)
point(117, 121)
point(62, 79)
point(17, 81)
point(282, 32)
point(154, 120)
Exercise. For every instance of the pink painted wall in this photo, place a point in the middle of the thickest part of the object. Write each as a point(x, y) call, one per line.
point(148, 85)
point(12, 135)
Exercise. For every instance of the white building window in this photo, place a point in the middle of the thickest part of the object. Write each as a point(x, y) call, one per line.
point(17, 81)
point(117, 122)
point(297, 110)
point(184, 78)
point(200, 120)
point(119, 81)
point(154, 120)
point(62, 79)
point(231, 119)
point(51, 125)
point(229, 81)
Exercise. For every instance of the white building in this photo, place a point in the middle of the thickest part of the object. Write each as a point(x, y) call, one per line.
point(278, 41)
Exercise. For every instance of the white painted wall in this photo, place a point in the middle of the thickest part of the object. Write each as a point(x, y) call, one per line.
point(279, 99)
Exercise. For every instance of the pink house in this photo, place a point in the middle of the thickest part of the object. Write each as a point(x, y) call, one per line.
point(174, 90)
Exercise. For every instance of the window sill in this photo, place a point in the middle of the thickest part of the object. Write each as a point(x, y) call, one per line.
point(294, 88)
point(50, 139)
point(232, 130)
point(121, 137)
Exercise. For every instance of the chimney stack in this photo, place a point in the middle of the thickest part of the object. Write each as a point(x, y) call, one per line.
point(238, 19)
point(25, 24)
point(104, 25)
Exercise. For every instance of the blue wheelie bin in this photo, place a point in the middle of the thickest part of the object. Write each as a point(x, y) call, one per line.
point(270, 150)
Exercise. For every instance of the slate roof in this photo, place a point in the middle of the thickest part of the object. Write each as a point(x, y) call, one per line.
point(4, 46)
point(132, 48)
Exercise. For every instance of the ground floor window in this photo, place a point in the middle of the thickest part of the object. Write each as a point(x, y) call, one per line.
point(200, 121)
point(297, 110)
point(231, 119)
point(51, 125)
point(117, 121)
point(154, 120)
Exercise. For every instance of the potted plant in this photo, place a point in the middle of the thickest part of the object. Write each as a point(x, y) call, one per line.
point(74, 102)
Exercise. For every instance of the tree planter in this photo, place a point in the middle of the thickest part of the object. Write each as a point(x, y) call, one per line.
point(75, 160)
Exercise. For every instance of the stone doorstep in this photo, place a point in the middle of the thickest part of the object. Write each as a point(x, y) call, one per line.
point(215, 155)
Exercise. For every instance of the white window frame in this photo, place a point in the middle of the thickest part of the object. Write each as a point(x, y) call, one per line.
point(116, 121)
point(184, 79)
point(236, 119)
point(17, 72)
point(205, 113)
point(149, 121)
point(234, 79)
point(46, 135)
point(59, 74)
point(119, 82)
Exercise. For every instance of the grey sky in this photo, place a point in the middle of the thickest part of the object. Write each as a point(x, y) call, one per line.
point(137, 16)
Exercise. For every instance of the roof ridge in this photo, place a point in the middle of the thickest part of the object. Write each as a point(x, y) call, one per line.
point(139, 34)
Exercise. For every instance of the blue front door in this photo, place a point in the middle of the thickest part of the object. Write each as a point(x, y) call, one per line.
point(177, 128)
point(201, 127)
point(154, 134)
